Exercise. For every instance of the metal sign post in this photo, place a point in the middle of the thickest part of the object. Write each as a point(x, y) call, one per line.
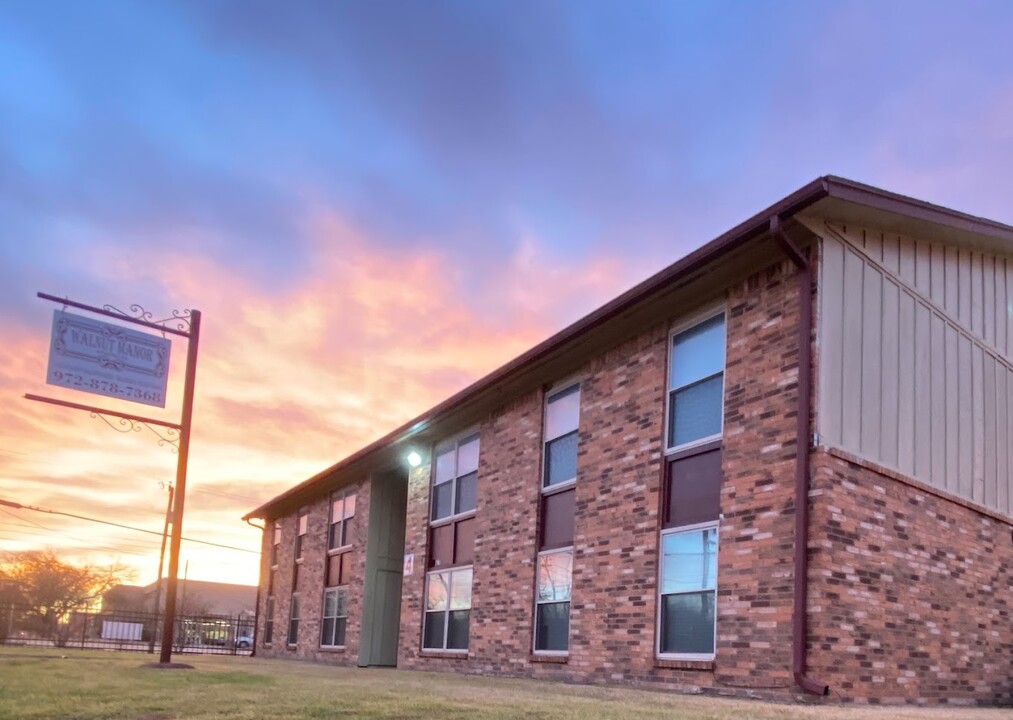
point(106, 359)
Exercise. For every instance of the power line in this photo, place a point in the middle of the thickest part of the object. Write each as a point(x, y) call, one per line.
point(19, 506)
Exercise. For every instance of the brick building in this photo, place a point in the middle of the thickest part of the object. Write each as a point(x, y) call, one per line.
point(670, 493)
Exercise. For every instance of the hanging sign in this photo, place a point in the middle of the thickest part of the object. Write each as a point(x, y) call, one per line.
point(106, 359)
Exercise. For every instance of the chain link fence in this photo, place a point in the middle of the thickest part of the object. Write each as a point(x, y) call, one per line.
point(25, 625)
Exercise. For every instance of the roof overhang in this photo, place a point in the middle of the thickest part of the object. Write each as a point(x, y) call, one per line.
point(694, 279)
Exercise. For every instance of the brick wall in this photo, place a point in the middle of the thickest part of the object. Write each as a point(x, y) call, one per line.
point(311, 584)
point(911, 594)
point(619, 473)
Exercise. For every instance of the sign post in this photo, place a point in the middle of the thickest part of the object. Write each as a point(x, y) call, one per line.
point(107, 359)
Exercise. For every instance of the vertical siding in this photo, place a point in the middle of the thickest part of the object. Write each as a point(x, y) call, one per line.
point(915, 370)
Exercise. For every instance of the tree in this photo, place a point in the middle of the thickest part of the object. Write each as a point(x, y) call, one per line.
point(50, 589)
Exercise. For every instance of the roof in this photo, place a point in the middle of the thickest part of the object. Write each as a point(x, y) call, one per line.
point(828, 195)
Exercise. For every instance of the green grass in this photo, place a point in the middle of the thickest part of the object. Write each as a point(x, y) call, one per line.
point(82, 685)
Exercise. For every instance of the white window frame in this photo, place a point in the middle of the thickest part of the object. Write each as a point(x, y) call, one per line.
point(272, 579)
point(698, 318)
point(556, 390)
point(534, 632)
point(293, 603)
point(446, 613)
point(269, 602)
point(300, 537)
point(456, 440)
point(323, 609)
point(330, 519)
point(697, 527)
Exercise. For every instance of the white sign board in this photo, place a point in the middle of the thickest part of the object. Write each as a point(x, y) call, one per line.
point(106, 359)
point(409, 564)
point(113, 630)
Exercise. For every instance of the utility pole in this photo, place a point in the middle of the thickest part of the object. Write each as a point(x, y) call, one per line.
point(161, 560)
point(177, 509)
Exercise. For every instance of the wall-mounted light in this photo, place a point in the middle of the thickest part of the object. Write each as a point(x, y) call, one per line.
point(414, 459)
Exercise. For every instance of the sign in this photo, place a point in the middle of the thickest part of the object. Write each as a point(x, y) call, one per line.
point(106, 359)
point(409, 564)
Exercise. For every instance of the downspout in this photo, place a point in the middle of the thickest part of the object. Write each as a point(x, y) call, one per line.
point(803, 431)
point(256, 607)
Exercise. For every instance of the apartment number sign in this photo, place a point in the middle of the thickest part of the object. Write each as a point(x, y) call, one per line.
point(106, 359)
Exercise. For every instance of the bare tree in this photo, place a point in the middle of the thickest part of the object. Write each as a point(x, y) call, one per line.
point(51, 589)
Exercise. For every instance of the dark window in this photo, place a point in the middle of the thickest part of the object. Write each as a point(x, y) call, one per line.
point(557, 519)
point(293, 620)
point(694, 489)
point(696, 383)
point(464, 542)
point(275, 544)
point(688, 589)
point(448, 609)
point(442, 546)
point(552, 612)
point(339, 566)
point(335, 617)
point(300, 533)
point(268, 620)
point(342, 516)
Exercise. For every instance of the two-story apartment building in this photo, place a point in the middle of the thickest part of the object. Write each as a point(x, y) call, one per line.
point(782, 464)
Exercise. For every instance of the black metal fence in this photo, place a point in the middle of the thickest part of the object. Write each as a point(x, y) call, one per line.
point(25, 625)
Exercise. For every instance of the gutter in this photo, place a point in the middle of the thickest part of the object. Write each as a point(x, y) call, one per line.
point(803, 431)
point(256, 604)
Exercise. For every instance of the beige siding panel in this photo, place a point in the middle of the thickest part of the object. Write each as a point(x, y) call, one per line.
point(872, 360)
point(914, 360)
point(978, 421)
point(964, 288)
point(890, 375)
point(989, 493)
point(906, 386)
point(851, 376)
point(989, 299)
point(937, 393)
point(831, 351)
point(952, 375)
point(923, 394)
point(965, 429)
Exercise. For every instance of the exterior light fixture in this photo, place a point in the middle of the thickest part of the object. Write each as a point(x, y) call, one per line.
point(414, 459)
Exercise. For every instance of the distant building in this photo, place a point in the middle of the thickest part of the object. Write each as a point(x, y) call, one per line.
point(194, 597)
point(783, 463)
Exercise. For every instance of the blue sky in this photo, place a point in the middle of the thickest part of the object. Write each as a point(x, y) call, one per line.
point(496, 168)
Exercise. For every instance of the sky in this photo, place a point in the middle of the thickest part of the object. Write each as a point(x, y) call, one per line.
point(374, 204)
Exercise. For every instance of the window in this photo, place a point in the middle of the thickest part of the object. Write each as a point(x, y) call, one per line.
point(301, 533)
point(293, 620)
point(335, 617)
point(455, 478)
point(268, 621)
point(696, 383)
point(555, 537)
point(688, 592)
point(552, 606)
point(448, 609)
point(276, 544)
point(342, 514)
point(562, 414)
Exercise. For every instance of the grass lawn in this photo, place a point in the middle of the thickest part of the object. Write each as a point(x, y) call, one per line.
point(81, 685)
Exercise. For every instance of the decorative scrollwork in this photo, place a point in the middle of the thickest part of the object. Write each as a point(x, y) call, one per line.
point(136, 312)
point(168, 436)
point(122, 425)
point(181, 318)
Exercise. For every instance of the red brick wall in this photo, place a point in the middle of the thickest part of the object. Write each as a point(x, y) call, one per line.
point(311, 584)
point(614, 602)
point(911, 594)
